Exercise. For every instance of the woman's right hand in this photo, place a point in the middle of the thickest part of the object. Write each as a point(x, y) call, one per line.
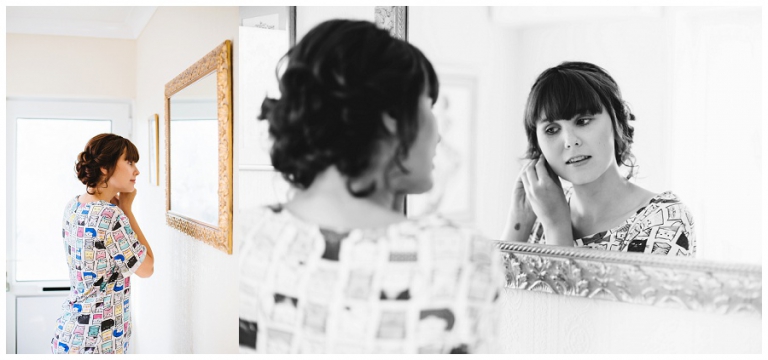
point(125, 200)
point(545, 194)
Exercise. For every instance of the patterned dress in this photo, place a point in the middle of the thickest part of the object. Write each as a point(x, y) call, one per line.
point(419, 286)
point(102, 252)
point(662, 227)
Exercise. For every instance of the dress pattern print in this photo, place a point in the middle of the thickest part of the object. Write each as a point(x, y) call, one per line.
point(102, 252)
point(663, 227)
point(416, 286)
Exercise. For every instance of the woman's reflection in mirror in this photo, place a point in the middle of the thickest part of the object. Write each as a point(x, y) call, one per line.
point(104, 247)
point(579, 130)
point(339, 268)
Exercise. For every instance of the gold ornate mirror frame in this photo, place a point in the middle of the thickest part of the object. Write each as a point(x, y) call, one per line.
point(220, 61)
point(691, 284)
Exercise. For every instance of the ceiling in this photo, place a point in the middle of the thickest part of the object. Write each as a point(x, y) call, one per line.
point(115, 22)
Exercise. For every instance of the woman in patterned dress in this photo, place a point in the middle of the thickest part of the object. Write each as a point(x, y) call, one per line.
point(338, 268)
point(578, 129)
point(104, 246)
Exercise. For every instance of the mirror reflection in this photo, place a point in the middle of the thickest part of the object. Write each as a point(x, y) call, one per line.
point(194, 151)
point(684, 73)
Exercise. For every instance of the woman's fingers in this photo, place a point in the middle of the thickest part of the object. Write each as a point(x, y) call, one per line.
point(530, 173)
point(526, 184)
point(541, 169)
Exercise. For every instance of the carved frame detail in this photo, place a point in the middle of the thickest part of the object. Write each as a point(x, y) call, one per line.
point(634, 278)
point(394, 19)
point(220, 61)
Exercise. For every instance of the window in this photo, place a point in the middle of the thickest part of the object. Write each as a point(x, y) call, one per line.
point(43, 140)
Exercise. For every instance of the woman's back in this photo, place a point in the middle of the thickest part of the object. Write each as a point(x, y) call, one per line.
point(415, 286)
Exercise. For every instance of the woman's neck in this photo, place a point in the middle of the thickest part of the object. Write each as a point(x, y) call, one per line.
point(97, 194)
point(328, 203)
point(597, 199)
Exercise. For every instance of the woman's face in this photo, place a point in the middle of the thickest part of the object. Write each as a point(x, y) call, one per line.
point(580, 149)
point(124, 177)
point(422, 152)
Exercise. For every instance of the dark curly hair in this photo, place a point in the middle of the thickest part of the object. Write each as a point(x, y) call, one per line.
point(574, 88)
point(339, 81)
point(103, 151)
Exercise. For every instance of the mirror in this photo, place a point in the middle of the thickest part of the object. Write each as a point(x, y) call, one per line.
point(198, 136)
point(681, 69)
point(690, 75)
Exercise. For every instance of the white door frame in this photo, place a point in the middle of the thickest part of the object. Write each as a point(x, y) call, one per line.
point(118, 111)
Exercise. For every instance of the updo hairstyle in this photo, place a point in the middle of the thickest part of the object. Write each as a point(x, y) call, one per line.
point(338, 82)
point(103, 151)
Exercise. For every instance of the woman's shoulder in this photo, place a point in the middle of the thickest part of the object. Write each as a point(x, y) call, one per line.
point(664, 208)
point(666, 200)
point(99, 208)
point(432, 224)
point(666, 197)
point(273, 219)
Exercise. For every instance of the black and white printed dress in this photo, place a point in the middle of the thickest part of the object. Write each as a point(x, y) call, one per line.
point(664, 226)
point(102, 252)
point(419, 286)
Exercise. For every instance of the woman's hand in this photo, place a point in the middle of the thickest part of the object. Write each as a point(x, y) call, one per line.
point(546, 198)
point(125, 200)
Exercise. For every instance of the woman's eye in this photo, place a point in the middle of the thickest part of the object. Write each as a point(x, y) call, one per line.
point(550, 130)
point(584, 121)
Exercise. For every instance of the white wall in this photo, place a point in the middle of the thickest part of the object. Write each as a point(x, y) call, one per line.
point(187, 306)
point(69, 67)
point(460, 41)
point(544, 323)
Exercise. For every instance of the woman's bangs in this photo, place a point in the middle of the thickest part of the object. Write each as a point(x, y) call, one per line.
point(131, 152)
point(563, 96)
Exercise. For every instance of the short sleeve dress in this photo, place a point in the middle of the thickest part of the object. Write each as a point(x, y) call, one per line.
point(662, 227)
point(418, 286)
point(102, 252)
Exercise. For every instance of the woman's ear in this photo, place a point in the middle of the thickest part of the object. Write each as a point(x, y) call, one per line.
point(103, 171)
point(390, 123)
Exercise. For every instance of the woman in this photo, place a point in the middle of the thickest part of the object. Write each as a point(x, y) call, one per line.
point(578, 130)
point(104, 246)
point(339, 268)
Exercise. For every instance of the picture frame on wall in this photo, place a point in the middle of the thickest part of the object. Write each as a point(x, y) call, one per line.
point(154, 143)
point(455, 112)
point(266, 35)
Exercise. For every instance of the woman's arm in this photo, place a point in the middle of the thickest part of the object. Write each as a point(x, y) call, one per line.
point(521, 218)
point(147, 267)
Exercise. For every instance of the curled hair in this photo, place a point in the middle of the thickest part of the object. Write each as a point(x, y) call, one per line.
point(338, 82)
point(103, 151)
point(577, 88)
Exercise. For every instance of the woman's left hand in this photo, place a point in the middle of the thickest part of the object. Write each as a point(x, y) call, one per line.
point(545, 194)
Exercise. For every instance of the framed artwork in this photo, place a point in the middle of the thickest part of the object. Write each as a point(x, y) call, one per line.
point(455, 112)
point(265, 37)
point(154, 144)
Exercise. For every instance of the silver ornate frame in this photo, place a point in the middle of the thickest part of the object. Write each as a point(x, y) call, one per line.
point(394, 19)
point(634, 278)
